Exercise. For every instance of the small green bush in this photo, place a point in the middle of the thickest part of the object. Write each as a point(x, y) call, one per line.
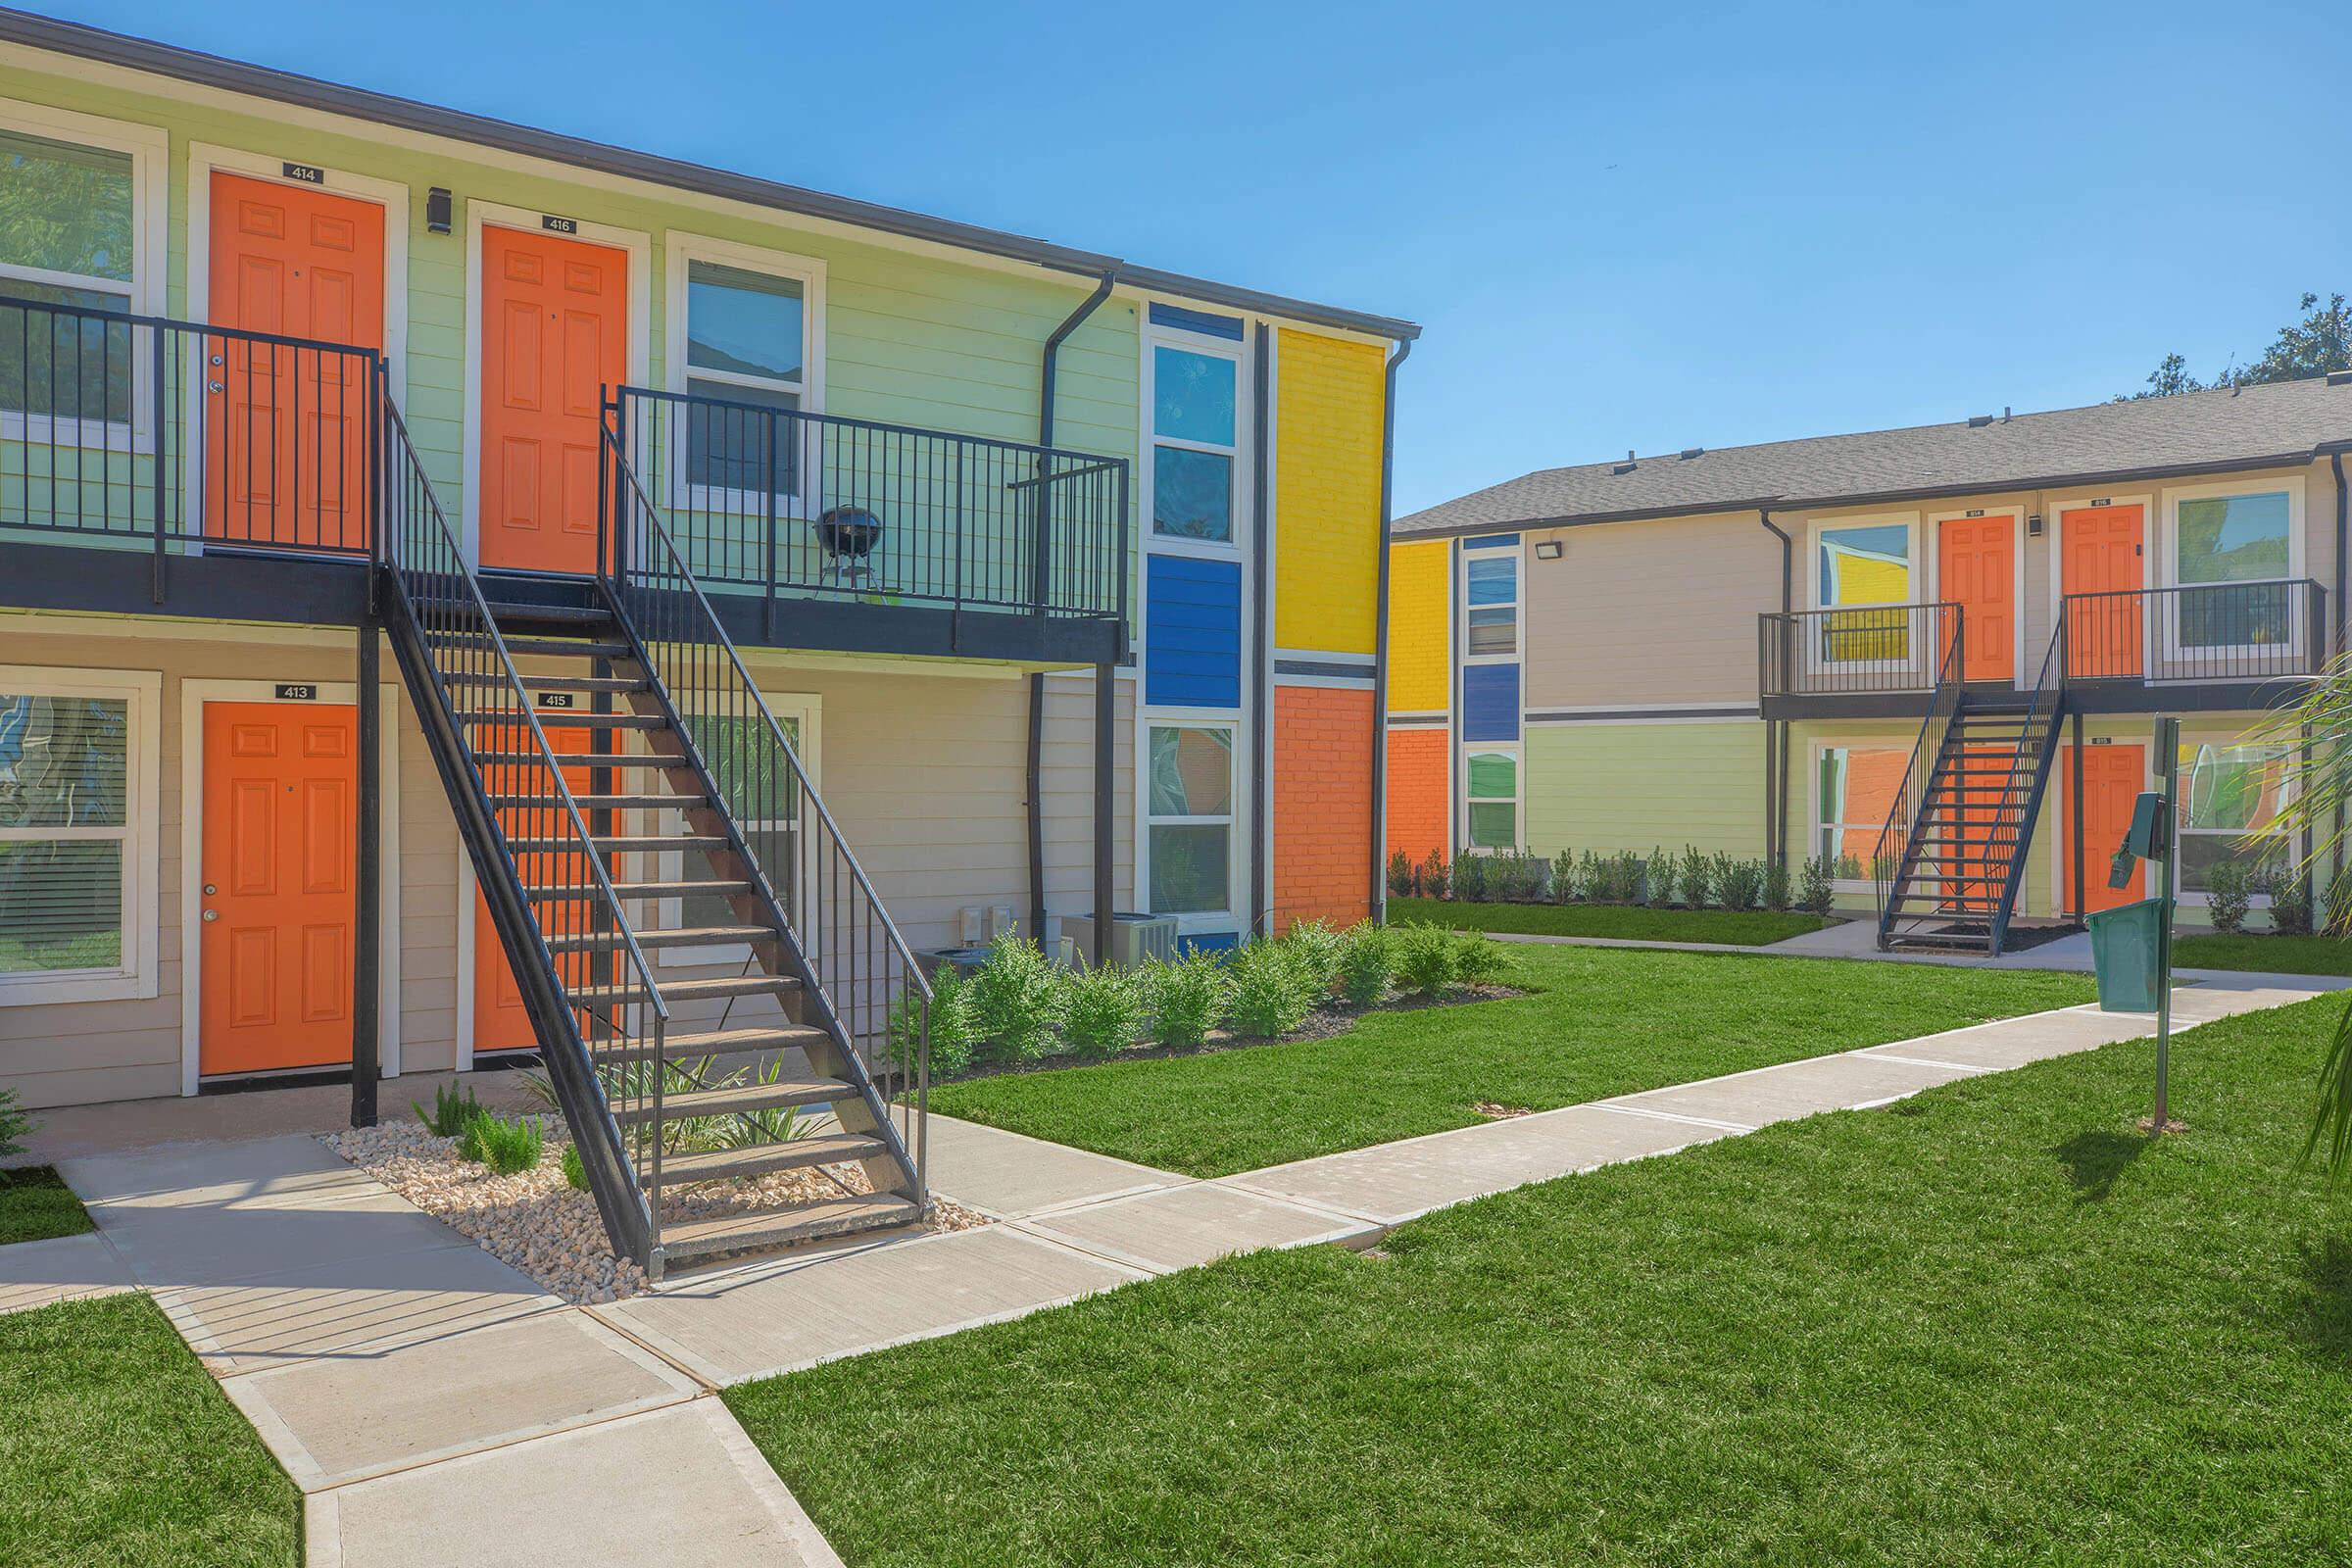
point(2229, 890)
point(16, 1122)
point(506, 1146)
point(1424, 957)
point(1470, 878)
point(1775, 886)
point(1815, 895)
point(1271, 991)
point(1431, 878)
point(454, 1109)
point(955, 1035)
point(1400, 875)
point(1016, 1000)
point(1102, 1010)
point(1187, 998)
point(1563, 877)
point(1695, 878)
point(1479, 960)
point(2291, 901)
point(574, 1172)
point(1739, 884)
point(1316, 948)
point(1657, 878)
point(1364, 964)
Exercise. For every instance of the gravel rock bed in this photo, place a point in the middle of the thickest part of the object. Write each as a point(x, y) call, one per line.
point(538, 1223)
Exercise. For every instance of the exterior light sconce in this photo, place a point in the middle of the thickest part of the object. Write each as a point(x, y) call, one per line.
point(1547, 550)
point(2033, 527)
point(436, 210)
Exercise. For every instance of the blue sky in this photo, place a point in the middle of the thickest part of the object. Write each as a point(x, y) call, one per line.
point(1643, 226)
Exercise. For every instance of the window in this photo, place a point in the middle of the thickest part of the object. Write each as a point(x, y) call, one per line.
point(745, 343)
point(1190, 810)
point(1492, 792)
point(1491, 594)
point(2228, 792)
point(1856, 788)
point(1864, 565)
point(765, 800)
point(1195, 431)
point(68, 237)
point(77, 839)
point(2229, 551)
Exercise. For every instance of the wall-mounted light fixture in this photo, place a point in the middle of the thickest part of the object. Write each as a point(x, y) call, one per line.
point(2033, 527)
point(1547, 550)
point(436, 210)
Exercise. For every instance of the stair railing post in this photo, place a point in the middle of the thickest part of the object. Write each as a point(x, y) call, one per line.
point(156, 369)
point(767, 555)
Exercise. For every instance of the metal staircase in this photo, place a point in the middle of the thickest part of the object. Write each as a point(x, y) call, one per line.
point(596, 736)
point(1953, 857)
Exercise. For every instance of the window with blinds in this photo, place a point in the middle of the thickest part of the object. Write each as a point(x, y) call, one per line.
point(64, 832)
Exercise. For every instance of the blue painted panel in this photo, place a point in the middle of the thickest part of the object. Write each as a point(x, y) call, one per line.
point(1201, 321)
point(1491, 701)
point(1194, 657)
point(1210, 942)
point(1493, 541)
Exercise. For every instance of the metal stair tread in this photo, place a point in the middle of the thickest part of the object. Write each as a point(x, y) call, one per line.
point(556, 892)
point(737, 1042)
point(623, 844)
point(736, 1099)
point(776, 1228)
point(565, 718)
point(684, 936)
point(644, 760)
point(549, 647)
point(602, 802)
point(715, 988)
point(553, 683)
point(724, 1164)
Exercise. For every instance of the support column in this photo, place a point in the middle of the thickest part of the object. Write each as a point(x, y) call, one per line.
point(367, 1035)
point(1106, 710)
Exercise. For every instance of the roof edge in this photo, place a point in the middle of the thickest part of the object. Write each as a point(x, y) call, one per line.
point(360, 103)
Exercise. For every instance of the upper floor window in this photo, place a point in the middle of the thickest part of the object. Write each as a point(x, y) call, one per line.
point(2229, 553)
point(1195, 435)
point(745, 343)
point(1865, 566)
point(1491, 604)
point(68, 237)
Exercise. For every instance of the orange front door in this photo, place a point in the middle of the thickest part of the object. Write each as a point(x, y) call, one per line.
point(1977, 570)
point(2102, 556)
point(286, 455)
point(500, 1022)
point(554, 335)
point(281, 782)
point(2112, 778)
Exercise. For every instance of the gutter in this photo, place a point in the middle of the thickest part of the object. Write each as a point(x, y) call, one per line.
point(1036, 805)
point(384, 109)
point(1776, 765)
point(1380, 643)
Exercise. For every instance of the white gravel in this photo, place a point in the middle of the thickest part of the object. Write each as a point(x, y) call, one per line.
point(538, 1223)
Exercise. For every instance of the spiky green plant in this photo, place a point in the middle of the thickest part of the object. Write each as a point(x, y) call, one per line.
point(507, 1146)
point(454, 1107)
point(574, 1171)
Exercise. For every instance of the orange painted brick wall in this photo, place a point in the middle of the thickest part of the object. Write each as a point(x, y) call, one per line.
point(1322, 805)
point(1417, 789)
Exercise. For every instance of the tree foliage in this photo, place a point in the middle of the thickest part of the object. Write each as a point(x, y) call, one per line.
point(2318, 343)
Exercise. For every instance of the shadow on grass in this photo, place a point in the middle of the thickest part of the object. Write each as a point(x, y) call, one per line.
point(2094, 1160)
point(2321, 1309)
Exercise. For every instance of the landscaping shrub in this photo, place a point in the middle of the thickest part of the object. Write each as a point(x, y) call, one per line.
point(1270, 989)
point(506, 1146)
point(955, 1034)
point(575, 1174)
point(1616, 879)
point(1563, 877)
point(1694, 879)
point(2228, 889)
point(1316, 949)
point(1515, 878)
point(1186, 996)
point(1424, 957)
point(2291, 901)
point(1470, 877)
point(1102, 1010)
point(1364, 963)
point(1815, 895)
point(1431, 875)
point(15, 1123)
point(1739, 883)
point(1400, 875)
point(454, 1109)
point(1479, 960)
point(1775, 887)
point(1656, 887)
point(1016, 999)
point(2339, 900)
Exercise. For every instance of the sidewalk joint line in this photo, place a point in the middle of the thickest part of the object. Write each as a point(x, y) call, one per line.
point(1670, 1116)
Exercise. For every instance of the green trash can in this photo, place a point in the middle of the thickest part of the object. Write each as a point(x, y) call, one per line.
point(2123, 949)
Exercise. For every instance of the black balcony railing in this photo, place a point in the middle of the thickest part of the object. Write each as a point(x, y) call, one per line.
point(140, 430)
point(1869, 647)
point(2225, 631)
point(771, 500)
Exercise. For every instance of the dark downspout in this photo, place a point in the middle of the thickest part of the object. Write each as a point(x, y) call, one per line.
point(1037, 681)
point(367, 939)
point(1776, 769)
point(1380, 646)
point(1261, 657)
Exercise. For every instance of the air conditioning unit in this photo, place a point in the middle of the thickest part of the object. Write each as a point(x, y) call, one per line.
point(1133, 936)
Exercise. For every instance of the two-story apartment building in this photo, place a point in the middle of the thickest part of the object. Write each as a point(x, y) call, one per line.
point(887, 577)
point(1927, 657)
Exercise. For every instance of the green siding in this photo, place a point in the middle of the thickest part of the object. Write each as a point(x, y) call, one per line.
point(1636, 786)
point(909, 339)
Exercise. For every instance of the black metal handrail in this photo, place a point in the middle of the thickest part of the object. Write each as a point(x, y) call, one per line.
point(2222, 631)
point(785, 503)
point(1854, 649)
point(151, 431)
point(608, 1064)
point(860, 978)
point(1899, 840)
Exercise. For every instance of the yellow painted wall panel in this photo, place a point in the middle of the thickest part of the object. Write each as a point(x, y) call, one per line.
point(1418, 670)
point(1327, 493)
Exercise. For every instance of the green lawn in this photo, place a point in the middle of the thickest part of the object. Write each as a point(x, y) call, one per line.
point(35, 1203)
point(1992, 1325)
point(116, 1447)
point(1744, 928)
point(2278, 955)
point(1607, 1021)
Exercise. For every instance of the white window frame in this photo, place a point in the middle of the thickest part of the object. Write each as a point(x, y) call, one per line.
point(1516, 555)
point(149, 149)
point(1235, 819)
point(1517, 799)
point(1845, 743)
point(136, 977)
point(2227, 740)
point(680, 251)
point(1155, 338)
point(2166, 572)
point(807, 710)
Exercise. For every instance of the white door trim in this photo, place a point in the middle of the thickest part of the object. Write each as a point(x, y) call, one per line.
point(193, 694)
